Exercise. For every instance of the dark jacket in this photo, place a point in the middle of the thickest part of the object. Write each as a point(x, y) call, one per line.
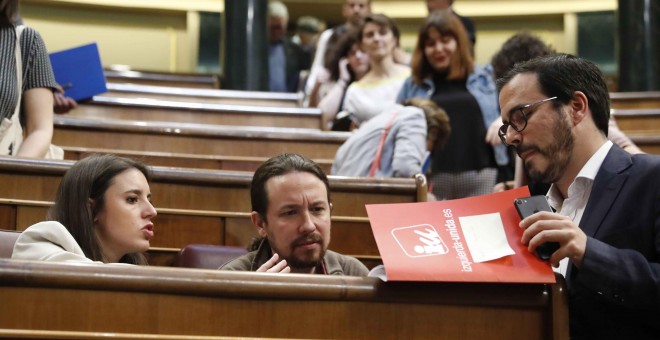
point(616, 292)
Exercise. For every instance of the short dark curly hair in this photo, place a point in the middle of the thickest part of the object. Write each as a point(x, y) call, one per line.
point(521, 47)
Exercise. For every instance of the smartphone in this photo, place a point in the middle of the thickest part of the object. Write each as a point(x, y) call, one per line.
point(528, 206)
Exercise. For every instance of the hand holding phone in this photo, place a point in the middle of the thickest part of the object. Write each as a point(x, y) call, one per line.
point(528, 206)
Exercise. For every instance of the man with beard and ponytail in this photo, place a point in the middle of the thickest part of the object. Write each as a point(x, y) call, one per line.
point(555, 111)
point(291, 210)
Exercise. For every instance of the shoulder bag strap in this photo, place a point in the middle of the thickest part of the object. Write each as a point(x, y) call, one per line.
point(379, 152)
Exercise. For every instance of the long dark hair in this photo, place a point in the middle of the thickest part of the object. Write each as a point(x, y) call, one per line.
point(341, 49)
point(81, 196)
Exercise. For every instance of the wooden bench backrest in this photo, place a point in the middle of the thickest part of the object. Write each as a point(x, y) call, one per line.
point(207, 81)
point(635, 100)
point(179, 188)
point(181, 160)
point(212, 96)
point(637, 120)
point(177, 228)
point(196, 138)
point(146, 109)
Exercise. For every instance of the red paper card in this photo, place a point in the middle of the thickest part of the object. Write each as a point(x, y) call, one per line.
point(425, 241)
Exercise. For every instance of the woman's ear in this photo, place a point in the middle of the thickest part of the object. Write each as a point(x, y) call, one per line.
point(90, 208)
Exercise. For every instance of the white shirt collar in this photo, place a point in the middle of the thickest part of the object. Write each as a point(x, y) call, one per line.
point(588, 172)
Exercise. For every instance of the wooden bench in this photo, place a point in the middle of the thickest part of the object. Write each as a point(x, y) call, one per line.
point(647, 143)
point(198, 189)
point(177, 228)
point(182, 160)
point(152, 301)
point(635, 100)
point(211, 96)
point(637, 121)
point(642, 126)
point(196, 138)
point(146, 109)
point(209, 81)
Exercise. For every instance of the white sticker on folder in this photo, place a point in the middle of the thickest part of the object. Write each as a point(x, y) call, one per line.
point(485, 237)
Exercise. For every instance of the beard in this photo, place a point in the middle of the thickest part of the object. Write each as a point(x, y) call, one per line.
point(557, 154)
point(308, 259)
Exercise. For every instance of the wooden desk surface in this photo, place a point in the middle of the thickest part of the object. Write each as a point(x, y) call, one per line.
point(147, 300)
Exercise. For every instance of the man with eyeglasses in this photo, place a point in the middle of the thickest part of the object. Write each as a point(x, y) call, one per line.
point(555, 111)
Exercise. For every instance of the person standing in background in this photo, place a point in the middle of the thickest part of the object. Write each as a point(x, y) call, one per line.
point(354, 11)
point(444, 71)
point(346, 63)
point(377, 90)
point(307, 34)
point(285, 59)
point(26, 88)
point(433, 5)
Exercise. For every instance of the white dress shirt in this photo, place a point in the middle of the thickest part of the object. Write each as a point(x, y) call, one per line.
point(578, 193)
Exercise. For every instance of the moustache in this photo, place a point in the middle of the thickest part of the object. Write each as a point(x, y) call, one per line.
point(307, 239)
point(524, 148)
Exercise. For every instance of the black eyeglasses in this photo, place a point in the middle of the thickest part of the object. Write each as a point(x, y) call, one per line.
point(518, 119)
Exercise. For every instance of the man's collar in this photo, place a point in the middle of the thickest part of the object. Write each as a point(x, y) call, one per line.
point(588, 171)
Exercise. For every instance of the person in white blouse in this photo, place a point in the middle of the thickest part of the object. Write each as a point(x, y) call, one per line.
point(102, 213)
point(378, 89)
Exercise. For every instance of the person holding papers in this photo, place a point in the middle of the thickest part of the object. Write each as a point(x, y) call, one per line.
point(291, 210)
point(555, 111)
point(26, 88)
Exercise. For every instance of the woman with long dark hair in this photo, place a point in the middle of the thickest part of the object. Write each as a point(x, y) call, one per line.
point(346, 63)
point(102, 213)
point(443, 70)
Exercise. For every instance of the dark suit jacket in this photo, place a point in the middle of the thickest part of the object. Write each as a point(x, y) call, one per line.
point(296, 61)
point(616, 292)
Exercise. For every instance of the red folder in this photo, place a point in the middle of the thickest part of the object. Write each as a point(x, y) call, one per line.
point(425, 242)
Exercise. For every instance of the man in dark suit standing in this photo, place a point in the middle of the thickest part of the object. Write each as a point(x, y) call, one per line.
point(285, 58)
point(555, 112)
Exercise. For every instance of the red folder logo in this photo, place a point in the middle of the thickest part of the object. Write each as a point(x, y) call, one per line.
point(420, 240)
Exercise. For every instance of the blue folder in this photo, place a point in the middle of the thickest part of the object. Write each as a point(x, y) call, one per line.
point(79, 71)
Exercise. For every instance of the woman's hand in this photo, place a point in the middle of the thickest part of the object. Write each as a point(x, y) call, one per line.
point(344, 74)
point(63, 104)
